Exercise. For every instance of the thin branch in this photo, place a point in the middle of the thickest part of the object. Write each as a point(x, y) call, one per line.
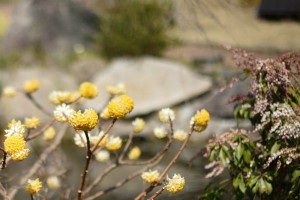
point(156, 194)
point(126, 146)
point(86, 166)
point(4, 158)
point(37, 104)
point(101, 138)
point(39, 132)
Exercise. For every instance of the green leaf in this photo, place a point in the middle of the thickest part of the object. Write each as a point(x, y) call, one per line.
point(295, 175)
point(239, 151)
point(252, 180)
point(275, 148)
point(263, 187)
point(236, 182)
point(247, 156)
point(256, 187)
point(242, 185)
point(269, 187)
point(222, 157)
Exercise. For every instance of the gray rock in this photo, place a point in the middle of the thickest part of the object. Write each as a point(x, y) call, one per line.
point(19, 106)
point(153, 83)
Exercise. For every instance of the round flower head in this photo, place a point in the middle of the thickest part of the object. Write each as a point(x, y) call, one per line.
point(104, 113)
point(31, 86)
point(200, 120)
point(118, 89)
point(138, 125)
point(50, 133)
point(63, 112)
point(175, 184)
point(53, 182)
point(94, 139)
point(113, 143)
point(14, 144)
point(86, 121)
point(120, 106)
point(59, 97)
point(160, 132)
point(166, 114)
point(32, 123)
point(135, 153)
point(21, 155)
point(150, 176)
point(88, 90)
point(180, 135)
point(15, 128)
point(9, 92)
point(33, 186)
point(102, 156)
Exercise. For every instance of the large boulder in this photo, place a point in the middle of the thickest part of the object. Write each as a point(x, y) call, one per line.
point(153, 83)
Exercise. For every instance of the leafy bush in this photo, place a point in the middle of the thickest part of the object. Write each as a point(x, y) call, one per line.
point(263, 162)
point(134, 28)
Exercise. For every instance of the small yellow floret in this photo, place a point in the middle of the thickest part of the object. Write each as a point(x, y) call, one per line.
point(53, 182)
point(9, 92)
point(50, 133)
point(180, 135)
point(14, 144)
point(118, 89)
point(33, 186)
point(31, 86)
point(175, 184)
point(113, 143)
point(150, 176)
point(120, 106)
point(20, 155)
point(135, 153)
point(138, 125)
point(15, 127)
point(86, 121)
point(88, 90)
point(200, 120)
point(104, 113)
point(166, 115)
point(32, 123)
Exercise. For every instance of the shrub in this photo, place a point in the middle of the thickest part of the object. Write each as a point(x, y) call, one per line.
point(264, 161)
point(133, 28)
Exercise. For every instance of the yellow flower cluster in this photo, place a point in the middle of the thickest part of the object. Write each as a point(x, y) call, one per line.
point(102, 156)
point(135, 153)
point(86, 121)
point(9, 91)
point(150, 176)
point(15, 127)
point(59, 97)
point(180, 135)
point(14, 145)
point(138, 125)
point(166, 114)
point(120, 106)
point(50, 133)
point(88, 90)
point(118, 89)
point(31, 86)
point(175, 184)
point(104, 114)
point(200, 120)
point(53, 182)
point(33, 186)
point(113, 143)
point(32, 123)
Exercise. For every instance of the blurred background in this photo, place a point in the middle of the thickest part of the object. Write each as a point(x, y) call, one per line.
point(168, 53)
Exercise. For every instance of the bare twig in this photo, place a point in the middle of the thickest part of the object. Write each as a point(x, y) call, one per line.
point(4, 158)
point(126, 146)
point(39, 132)
point(94, 148)
point(86, 166)
point(157, 193)
point(37, 104)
